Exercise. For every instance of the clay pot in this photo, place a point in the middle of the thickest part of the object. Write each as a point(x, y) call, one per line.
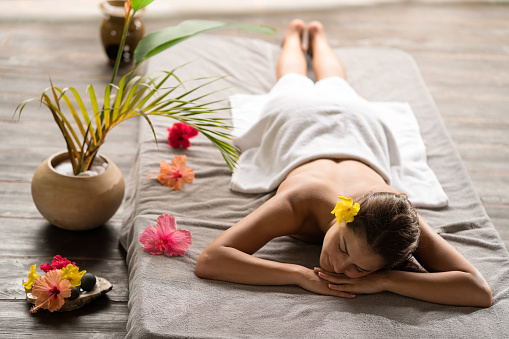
point(77, 203)
point(112, 27)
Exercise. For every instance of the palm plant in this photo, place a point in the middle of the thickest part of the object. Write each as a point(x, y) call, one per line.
point(85, 129)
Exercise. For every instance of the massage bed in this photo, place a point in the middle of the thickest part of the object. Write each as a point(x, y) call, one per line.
point(167, 300)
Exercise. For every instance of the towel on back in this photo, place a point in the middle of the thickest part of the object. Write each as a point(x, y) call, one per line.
point(299, 121)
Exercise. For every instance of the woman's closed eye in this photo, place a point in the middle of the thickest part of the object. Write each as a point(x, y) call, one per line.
point(345, 251)
point(360, 270)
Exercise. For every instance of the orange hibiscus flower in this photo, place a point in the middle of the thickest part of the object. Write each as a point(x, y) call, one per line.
point(50, 291)
point(176, 174)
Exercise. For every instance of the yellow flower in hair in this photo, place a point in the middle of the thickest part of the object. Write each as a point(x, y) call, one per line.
point(345, 209)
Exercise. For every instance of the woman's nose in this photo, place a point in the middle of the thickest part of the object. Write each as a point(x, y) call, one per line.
point(340, 267)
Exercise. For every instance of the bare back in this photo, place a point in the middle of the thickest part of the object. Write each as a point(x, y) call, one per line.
point(314, 187)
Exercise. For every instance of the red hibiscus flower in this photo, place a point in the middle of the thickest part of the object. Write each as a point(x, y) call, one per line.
point(179, 135)
point(57, 263)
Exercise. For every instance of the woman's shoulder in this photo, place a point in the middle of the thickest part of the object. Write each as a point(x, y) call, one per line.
point(311, 199)
point(306, 189)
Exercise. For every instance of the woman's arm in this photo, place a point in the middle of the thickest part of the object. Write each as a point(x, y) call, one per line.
point(451, 280)
point(229, 257)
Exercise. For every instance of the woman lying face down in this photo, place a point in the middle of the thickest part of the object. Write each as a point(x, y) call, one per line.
point(356, 257)
point(362, 244)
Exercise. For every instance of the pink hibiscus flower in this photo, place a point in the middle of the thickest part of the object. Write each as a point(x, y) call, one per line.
point(177, 174)
point(179, 135)
point(50, 291)
point(165, 238)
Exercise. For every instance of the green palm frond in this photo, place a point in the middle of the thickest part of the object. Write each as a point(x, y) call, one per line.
point(85, 130)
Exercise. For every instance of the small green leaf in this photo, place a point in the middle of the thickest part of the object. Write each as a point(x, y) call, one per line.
point(139, 4)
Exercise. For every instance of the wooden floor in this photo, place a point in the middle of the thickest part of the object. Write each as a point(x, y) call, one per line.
point(462, 50)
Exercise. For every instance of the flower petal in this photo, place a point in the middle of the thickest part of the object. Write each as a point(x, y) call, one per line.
point(153, 244)
point(148, 235)
point(179, 161)
point(54, 303)
point(31, 278)
point(51, 291)
point(179, 135)
point(46, 267)
point(165, 172)
point(179, 243)
point(347, 200)
point(175, 184)
point(187, 176)
point(345, 210)
point(355, 209)
point(166, 225)
point(191, 131)
point(71, 273)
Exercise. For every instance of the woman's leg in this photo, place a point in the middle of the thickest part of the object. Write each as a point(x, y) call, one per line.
point(325, 61)
point(292, 59)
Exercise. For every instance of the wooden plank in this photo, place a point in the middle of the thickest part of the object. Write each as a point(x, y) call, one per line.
point(484, 158)
point(20, 165)
point(53, 40)
point(46, 137)
point(455, 106)
point(16, 201)
point(101, 318)
point(34, 111)
point(16, 88)
point(64, 69)
point(499, 215)
point(493, 188)
point(479, 131)
point(35, 237)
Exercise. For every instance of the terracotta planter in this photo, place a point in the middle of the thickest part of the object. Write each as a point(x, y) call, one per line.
point(77, 202)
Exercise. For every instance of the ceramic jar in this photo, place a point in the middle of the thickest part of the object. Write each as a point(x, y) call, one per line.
point(77, 202)
point(111, 31)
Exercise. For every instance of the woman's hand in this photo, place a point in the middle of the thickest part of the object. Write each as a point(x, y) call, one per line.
point(367, 284)
point(309, 280)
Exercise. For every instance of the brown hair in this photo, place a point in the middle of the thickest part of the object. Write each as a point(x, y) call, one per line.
point(390, 225)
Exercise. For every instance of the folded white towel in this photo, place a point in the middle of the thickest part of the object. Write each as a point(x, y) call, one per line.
point(299, 121)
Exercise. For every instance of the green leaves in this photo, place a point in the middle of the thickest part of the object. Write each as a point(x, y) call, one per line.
point(139, 4)
point(85, 131)
point(159, 41)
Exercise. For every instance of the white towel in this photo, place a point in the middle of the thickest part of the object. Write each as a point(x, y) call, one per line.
point(299, 121)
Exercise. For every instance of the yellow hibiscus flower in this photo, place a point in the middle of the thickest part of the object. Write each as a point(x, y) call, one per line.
point(345, 209)
point(70, 272)
point(31, 278)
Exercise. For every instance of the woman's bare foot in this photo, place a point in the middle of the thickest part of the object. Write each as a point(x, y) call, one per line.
point(294, 33)
point(316, 35)
point(325, 61)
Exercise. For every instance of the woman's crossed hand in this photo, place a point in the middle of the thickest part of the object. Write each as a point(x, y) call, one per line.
point(337, 284)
